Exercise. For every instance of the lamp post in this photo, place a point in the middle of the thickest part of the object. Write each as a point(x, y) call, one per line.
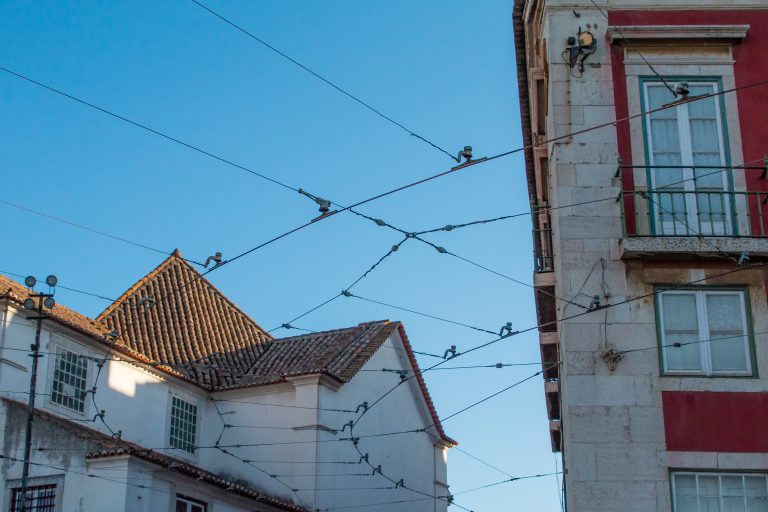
point(43, 300)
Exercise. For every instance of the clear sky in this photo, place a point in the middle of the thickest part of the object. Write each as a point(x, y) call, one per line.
point(446, 69)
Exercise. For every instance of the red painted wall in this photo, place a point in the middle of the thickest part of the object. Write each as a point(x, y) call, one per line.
point(751, 65)
point(715, 422)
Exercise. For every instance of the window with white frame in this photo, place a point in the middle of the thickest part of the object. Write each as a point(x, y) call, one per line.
point(187, 504)
point(704, 331)
point(70, 379)
point(719, 492)
point(40, 498)
point(183, 431)
point(685, 147)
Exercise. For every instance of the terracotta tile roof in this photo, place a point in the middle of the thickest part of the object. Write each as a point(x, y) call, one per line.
point(203, 337)
point(339, 353)
point(423, 387)
point(102, 445)
point(191, 325)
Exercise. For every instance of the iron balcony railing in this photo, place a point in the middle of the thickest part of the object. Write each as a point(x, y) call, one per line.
point(704, 204)
point(543, 254)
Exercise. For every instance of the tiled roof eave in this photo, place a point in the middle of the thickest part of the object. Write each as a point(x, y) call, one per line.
point(423, 387)
point(99, 339)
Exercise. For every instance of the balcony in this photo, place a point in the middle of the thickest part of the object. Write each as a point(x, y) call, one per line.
point(710, 213)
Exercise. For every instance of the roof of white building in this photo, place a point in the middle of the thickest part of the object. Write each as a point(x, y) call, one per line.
point(176, 320)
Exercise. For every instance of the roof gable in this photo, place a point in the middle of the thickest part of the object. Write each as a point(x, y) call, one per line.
point(187, 323)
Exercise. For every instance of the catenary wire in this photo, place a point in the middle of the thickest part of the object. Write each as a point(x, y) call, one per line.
point(320, 77)
point(478, 347)
point(497, 156)
point(365, 274)
point(636, 298)
point(557, 321)
point(147, 128)
point(508, 480)
point(91, 230)
point(75, 290)
point(650, 66)
point(457, 168)
point(426, 315)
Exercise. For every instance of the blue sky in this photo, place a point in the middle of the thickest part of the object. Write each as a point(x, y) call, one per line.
point(443, 68)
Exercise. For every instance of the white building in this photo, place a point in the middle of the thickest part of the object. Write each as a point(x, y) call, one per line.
point(203, 411)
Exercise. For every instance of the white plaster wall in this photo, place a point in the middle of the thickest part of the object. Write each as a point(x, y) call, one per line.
point(408, 456)
point(279, 439)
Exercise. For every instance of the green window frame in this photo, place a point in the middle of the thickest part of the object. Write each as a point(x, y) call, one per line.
point(699, 336)
point(688, 207)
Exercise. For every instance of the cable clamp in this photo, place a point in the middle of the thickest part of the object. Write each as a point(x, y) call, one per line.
point(324, 204)
point(506, 330)
point(363, 406)
point(349, 424)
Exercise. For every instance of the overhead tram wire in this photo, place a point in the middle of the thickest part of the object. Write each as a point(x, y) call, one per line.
point(461, 167)
point(507, 481)
point(75, 290)
point(466, 165)
point(424, 429)
point(481, 461)
point(92, 230)
point(580, 314)
point(478, 347)
point(536, 209)
point(538, 326)
point(345, 291)
point(426, 315)
point(322, 78)
point(389, 192)
point(650, 66)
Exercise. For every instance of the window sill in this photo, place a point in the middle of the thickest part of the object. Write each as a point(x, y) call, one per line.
point(711, 375)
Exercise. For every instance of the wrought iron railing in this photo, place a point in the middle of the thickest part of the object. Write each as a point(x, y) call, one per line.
point(543, 254)
point(688, 208)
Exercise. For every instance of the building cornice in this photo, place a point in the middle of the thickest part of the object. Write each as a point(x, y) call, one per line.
point(634, 33)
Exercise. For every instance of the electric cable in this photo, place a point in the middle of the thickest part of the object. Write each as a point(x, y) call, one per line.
point(93, 230)
point(461, 167)
point(509, 480)
point(345, 291)
point(83, 292)
point(322, 78)
point(653, 70)
point(426, 315)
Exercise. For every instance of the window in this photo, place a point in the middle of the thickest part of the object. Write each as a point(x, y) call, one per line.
point(719, 492)
point(183, 424)
point(186, 504)
point(40, 498)
point(704, 332)
point(689, 196)
point(70, 376)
